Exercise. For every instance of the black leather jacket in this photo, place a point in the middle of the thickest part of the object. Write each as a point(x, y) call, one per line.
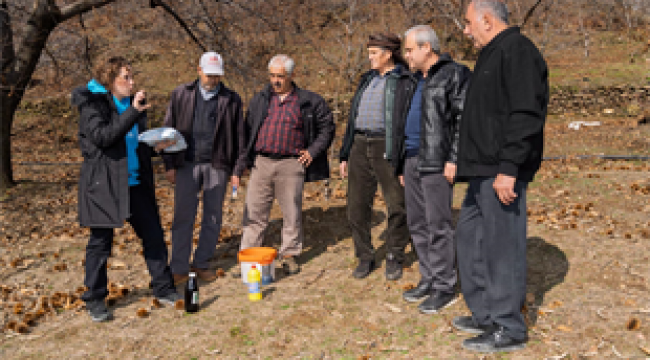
point(443, 98)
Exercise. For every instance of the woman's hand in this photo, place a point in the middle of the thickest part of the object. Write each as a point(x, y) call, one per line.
point(140, 101)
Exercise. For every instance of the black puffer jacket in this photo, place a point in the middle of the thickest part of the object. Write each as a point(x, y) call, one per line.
point(318, 128)
point(104, 180)
point(443, 97)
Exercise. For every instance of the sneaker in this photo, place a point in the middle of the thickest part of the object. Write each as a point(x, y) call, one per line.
point(495, 340)
point(437, 301)
point(393, 268)
point(98, 311)
point(169, 299)
point(364, 269)
point(418, 293)
point(290, 265)
point(468, 325)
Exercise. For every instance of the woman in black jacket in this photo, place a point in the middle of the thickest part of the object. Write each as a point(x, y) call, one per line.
point(116, 181)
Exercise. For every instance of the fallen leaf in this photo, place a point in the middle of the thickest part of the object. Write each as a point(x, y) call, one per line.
point(142, 313)
point(118, 265)
point(564, 328)
point(393, 308)
point(633, 324)
point(155, 303)
point(646, 350)
point(408, 286)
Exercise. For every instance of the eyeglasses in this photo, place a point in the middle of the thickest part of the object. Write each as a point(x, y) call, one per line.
point(126, 77)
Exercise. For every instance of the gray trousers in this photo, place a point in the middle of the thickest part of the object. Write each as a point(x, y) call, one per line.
point(281, 179)
point(428, 213)
point(190, 179)
point(491, 246)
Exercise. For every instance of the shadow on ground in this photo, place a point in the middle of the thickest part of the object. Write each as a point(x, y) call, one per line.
point(323, 228)
point(547, 268)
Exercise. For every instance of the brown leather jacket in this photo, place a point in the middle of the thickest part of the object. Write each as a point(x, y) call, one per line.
point(230, 138)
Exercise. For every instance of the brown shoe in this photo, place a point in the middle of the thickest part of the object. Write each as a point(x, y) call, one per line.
point(180, 279)
point(290, 265)
point(205, 274)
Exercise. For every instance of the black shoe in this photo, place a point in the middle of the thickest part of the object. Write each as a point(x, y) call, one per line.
point(417, 293)
point(98, 311)
point(393, 268)
point(437, 301)
point(169, 299)
point(364, 269)
point(290, 265)
point(468, 325)
point(494, 341)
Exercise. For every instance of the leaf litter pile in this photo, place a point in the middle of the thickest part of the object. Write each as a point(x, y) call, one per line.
point(587, 253)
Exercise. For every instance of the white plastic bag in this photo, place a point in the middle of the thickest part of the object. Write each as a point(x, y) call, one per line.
point(575, 125)
point(154, 136)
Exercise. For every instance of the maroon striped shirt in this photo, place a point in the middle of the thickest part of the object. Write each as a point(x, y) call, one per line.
point(282, 131)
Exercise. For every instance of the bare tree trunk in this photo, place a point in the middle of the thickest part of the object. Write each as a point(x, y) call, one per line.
point(7, 109)
point(17, 67)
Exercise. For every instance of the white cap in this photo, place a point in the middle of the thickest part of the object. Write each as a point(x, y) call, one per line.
point(211, 63)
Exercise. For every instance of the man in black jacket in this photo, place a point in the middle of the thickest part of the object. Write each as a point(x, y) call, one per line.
point(290, 131)
point(210, 117)
point(367, 147)
point(500, 149)
point(428, 142)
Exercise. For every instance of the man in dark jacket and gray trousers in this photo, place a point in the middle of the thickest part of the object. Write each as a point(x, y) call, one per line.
point(210, 118)
point(500, 150)
point(291, 130)
point(427, 144)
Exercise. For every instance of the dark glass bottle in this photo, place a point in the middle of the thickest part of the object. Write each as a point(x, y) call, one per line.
point(192, 294)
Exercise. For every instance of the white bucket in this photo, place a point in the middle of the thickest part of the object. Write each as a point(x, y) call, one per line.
point(268, 271)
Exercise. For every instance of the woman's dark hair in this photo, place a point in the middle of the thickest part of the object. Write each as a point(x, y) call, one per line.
point(108, 70)
point(390, 42)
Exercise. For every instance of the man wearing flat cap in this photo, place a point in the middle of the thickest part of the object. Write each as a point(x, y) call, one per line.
point(210, 118)
point(367, 151)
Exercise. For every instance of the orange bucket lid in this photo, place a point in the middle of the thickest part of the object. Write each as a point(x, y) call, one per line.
point(260, 255)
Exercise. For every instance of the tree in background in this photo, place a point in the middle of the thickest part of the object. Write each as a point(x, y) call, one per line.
point(19, 57)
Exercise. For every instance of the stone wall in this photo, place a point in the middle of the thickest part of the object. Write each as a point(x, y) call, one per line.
point(613, 100)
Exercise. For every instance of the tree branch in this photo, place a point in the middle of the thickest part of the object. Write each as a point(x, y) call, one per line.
point(180, 22)
point(529, 13)
point(80, 7)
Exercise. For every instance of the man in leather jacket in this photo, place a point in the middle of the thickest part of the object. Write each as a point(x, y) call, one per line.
point(428, 143)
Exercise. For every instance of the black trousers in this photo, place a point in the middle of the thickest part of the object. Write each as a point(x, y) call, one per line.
point(491, 250)
point(146, 223)
point(367, 168)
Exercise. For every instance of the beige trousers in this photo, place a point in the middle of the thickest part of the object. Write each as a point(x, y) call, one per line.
point(281, 179)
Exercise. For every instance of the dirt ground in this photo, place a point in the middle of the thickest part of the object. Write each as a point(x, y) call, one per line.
point(588, 269)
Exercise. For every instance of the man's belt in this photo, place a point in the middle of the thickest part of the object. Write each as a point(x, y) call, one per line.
point(278, 156)
point(370, 133)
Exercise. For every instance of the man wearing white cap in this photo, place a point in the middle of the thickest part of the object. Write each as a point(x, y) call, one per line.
point(209, 116)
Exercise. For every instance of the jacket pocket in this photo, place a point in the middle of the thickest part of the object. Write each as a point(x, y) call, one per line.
point(101, 197)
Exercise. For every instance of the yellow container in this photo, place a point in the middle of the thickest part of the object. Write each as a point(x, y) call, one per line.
point(254, 284)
